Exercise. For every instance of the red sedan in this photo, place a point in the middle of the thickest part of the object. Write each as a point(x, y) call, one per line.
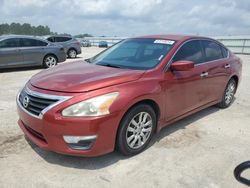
point(125, 94)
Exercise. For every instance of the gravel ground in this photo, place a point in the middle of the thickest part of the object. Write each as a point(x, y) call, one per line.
point(199, 151)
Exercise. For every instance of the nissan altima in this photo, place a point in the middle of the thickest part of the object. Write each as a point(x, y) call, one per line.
point(122, 96)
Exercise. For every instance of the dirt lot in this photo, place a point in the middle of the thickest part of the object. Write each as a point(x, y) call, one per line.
point(199, 151)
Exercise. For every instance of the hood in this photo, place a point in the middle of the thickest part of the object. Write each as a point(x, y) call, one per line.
point(81, 77)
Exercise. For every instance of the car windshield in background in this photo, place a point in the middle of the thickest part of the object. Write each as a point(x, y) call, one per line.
point(141, 54)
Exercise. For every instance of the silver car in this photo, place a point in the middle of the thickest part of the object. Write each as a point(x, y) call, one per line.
point(24, 51)
point(86, 43)
point(71, 45)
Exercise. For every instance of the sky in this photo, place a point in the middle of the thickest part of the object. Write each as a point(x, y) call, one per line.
point(132, 17)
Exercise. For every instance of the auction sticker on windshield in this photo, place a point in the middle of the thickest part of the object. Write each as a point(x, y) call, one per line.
point(164, 42)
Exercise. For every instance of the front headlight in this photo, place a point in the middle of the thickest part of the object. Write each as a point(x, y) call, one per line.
point(92, 107)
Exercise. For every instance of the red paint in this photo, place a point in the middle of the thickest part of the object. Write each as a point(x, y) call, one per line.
point(177, 93)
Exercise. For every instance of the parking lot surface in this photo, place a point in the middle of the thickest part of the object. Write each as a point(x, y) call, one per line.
point(201, 150)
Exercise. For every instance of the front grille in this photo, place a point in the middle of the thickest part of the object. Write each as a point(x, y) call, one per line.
point(33, 103)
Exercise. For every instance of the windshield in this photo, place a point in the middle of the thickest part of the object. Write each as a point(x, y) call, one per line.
point(140, 54)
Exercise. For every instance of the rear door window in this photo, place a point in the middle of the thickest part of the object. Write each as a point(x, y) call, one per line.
point(9, 43)
point(32, 43)
point(190, 51)
point(41, 43)
point(212, 50)
point(62, 39)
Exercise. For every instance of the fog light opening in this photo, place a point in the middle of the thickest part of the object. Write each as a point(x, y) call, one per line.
point(80, 142)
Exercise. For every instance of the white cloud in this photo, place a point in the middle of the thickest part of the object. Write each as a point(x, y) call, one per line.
point(132, 17)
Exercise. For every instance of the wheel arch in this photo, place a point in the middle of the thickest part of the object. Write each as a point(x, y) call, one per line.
point(150, 102)
point(50, 54)
point(72, 48)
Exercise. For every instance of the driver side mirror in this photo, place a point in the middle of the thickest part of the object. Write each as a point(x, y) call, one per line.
point(182, 65)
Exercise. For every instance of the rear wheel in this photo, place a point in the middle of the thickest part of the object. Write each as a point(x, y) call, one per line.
point(49, 61)
point(72, 53)
point(136, 129)
point(229, 92)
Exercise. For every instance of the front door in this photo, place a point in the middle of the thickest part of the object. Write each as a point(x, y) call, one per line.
point(186, 90)
point(10, 55)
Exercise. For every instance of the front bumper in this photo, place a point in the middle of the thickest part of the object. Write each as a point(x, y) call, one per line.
point(48, 132)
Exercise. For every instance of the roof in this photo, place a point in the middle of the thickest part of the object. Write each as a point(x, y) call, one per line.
point(21, 36)
point(172, 37)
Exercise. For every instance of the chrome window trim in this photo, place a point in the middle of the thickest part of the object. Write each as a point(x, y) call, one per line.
point(205, 62)
point(41, 95)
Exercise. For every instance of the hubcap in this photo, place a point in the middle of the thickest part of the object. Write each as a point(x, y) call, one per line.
point(50, 61)
point(229, 93)
point(139, 130)
point(72, 53)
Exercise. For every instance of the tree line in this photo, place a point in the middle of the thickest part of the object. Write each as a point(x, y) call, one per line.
point(27, 29)
point(24, 29)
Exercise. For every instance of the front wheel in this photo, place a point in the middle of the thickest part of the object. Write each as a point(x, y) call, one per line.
point(49, 61)
point(228, 96)
point(136, 129)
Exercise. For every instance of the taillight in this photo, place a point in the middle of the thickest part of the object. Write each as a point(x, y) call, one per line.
point(78, 43)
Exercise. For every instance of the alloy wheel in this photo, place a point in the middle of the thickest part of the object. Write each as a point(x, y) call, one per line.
point(50, 61)
point(72, 54)
point(229, 95)
point(139, 130)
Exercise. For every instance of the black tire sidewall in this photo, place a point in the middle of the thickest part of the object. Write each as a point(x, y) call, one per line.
point(69, 53)
point(122, 145)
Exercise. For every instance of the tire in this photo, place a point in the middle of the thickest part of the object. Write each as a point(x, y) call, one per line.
point(72, 53)
point(228, 95)
point(133, 137)
point(49, 61)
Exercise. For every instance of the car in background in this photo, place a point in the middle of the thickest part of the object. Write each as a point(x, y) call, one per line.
point(24, 51)
point(103, 44)
point(71, 45)
point(86, 43)
point(125, 94)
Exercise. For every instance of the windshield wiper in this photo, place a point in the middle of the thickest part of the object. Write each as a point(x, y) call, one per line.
point(110, 65)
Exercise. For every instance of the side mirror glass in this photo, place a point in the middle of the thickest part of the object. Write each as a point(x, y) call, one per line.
point(182, 65)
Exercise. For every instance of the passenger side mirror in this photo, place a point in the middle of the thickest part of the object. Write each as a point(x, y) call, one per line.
point(182, 65)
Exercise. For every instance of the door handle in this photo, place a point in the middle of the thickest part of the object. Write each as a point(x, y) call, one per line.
point(204, 74)
point(227, 66)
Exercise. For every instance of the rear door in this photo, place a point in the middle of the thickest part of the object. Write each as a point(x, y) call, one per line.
point(10, 55)
point(186, 90)
point(33, 51)
point(64, 41)
point(216, 57)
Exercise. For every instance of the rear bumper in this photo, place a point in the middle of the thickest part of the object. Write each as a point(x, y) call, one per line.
point(79, 50)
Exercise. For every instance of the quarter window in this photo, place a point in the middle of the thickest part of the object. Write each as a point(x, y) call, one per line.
point(190, 51)
point(212, 50)
point(9, 43)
